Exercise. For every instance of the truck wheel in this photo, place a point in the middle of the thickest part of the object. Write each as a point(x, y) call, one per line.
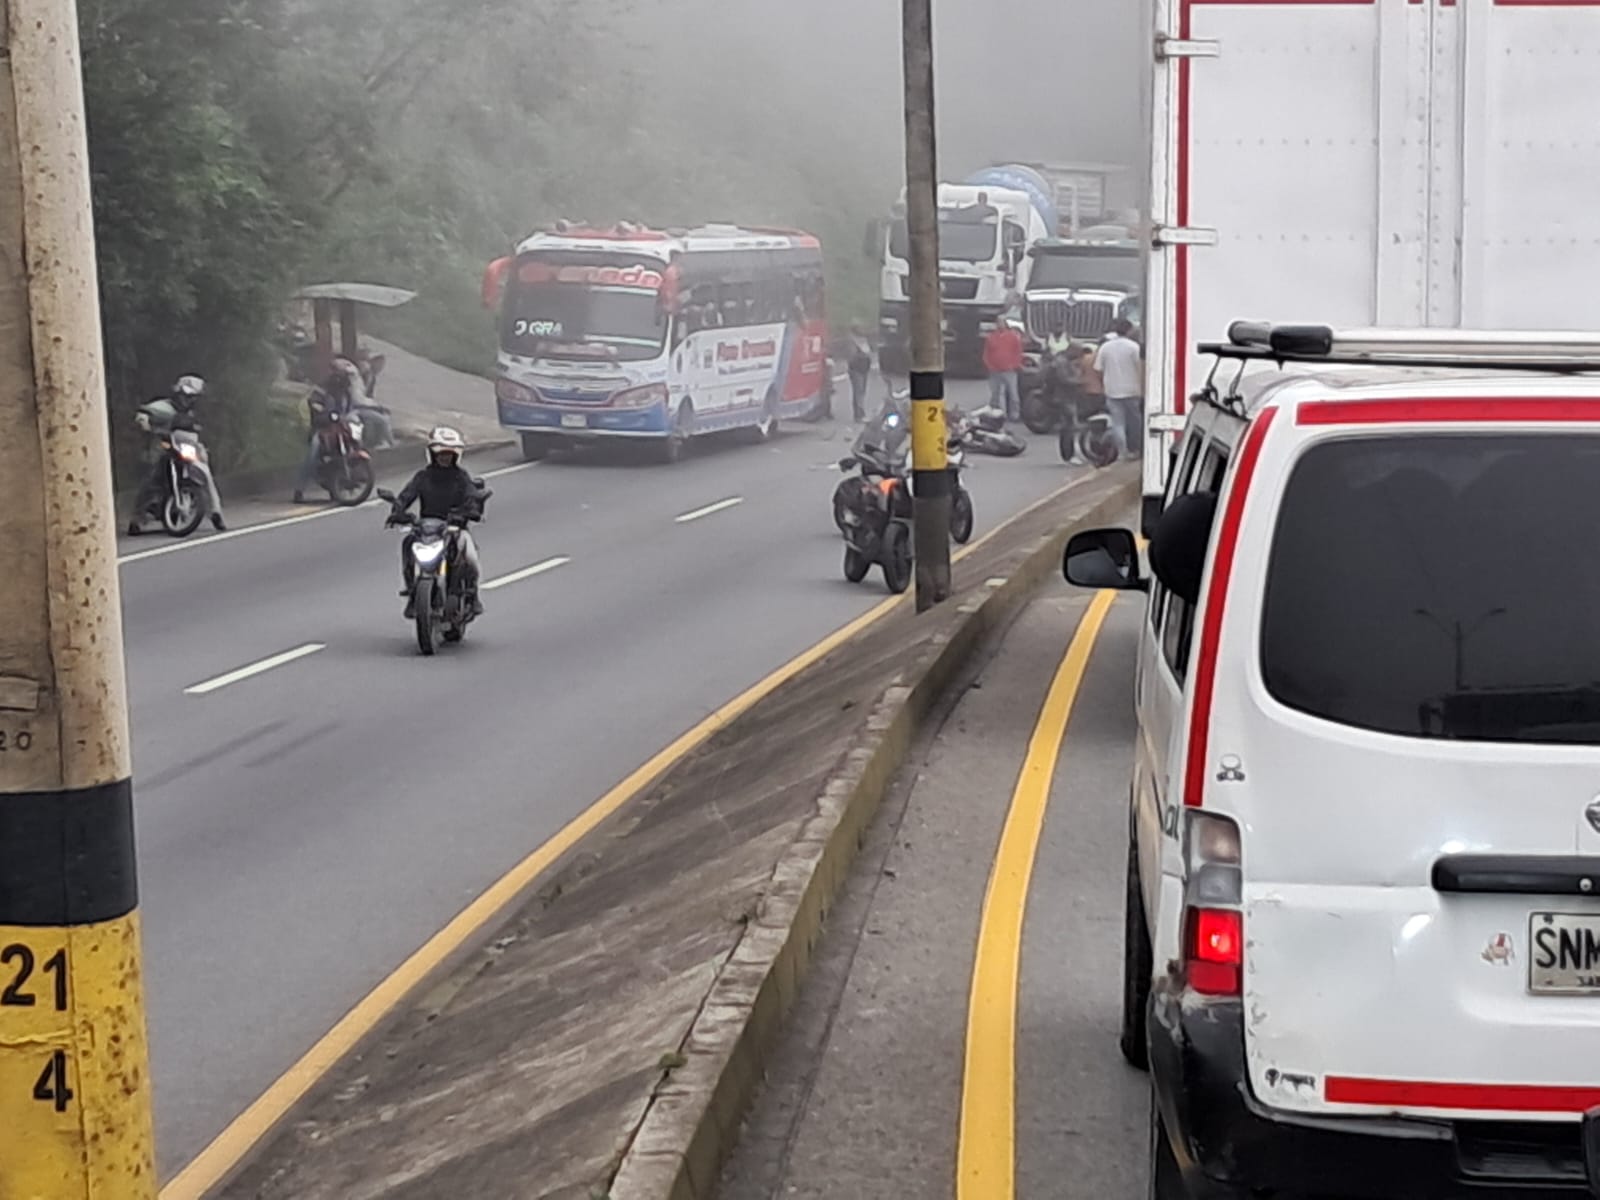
point(535, 447)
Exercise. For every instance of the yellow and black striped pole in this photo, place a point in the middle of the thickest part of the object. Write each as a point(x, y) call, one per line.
point(930, 476)
point(74, 1071)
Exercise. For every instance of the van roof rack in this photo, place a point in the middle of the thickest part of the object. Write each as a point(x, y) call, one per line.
point(1562, 352)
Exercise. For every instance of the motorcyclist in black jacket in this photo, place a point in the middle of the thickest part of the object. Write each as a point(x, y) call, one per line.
point(445, 488)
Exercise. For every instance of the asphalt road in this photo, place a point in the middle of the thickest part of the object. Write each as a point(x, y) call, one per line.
point(864, 1096)
point(305, 826)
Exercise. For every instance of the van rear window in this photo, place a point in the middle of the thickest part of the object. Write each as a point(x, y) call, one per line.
point(1440, 586)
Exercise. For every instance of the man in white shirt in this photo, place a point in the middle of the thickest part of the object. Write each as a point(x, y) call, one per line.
point(1122, 373)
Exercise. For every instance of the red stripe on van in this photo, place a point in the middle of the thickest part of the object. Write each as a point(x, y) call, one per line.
point(1205, 680)
point(1477, 1097)
point(1536, 409)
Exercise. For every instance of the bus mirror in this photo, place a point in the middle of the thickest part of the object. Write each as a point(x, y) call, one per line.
point(494, 282)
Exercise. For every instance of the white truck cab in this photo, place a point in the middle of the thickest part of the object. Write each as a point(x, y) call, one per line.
point(1363, 906)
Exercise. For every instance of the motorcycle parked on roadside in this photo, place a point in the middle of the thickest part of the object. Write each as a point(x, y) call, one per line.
point(441, 606)
point(180, 491)
point(962, 516)
point(877, 528)
point(879, 444)
point(344, 468)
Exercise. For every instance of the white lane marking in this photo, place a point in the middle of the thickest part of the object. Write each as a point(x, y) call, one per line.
point(242, 531)
point(266, 664)
point(280, 523)
point(549, 564)
point(511, 470)
point(719, 506)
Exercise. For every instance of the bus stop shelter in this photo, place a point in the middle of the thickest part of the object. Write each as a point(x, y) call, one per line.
point(344, 299)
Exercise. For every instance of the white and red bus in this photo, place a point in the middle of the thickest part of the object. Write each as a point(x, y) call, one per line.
point(631, 333)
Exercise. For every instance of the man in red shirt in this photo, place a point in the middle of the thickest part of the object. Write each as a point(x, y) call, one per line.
point(1002, 358)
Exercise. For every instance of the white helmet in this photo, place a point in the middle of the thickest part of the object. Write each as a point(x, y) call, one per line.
point(444, 440)
point(190, 385)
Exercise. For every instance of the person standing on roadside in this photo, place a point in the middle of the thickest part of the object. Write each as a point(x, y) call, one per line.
point(1121, 368)
point(860, 365)
point(1002, 358)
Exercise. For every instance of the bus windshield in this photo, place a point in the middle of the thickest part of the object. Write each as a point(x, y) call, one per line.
point(591, 306)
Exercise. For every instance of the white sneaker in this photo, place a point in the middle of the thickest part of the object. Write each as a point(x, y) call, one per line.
point(1077, 460)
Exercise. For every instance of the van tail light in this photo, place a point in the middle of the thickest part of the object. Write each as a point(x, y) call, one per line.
point(1213, 933)
point(1214, 950)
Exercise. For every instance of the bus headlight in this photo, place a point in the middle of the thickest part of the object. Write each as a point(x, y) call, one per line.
point(514, 393)
point(648, 396)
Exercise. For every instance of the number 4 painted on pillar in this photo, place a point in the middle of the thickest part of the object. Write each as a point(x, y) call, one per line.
point(52, 1085)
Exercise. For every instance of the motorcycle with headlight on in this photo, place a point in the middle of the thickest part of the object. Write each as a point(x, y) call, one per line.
point(442, 605)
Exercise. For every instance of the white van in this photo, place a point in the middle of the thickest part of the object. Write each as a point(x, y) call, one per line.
point(1363, 906)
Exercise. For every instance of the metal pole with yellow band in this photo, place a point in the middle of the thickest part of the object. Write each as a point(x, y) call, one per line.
point(930, 475)
point(74, 1071)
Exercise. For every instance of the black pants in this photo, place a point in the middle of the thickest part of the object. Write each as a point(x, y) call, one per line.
point(858, 392)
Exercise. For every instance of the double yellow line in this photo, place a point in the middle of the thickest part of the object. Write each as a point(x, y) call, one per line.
point(986, 1151)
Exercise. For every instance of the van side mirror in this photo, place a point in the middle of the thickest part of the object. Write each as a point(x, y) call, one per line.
point(1104, 558)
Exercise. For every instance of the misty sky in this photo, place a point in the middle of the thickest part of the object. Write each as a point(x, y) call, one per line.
point(1024, 79)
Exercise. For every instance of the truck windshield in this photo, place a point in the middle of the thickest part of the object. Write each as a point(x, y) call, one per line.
point(1121, 272)
point(584, 307)
point(1440, 587)
point(960, 239)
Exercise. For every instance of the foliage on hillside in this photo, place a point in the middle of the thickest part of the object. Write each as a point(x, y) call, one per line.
point(240, 147)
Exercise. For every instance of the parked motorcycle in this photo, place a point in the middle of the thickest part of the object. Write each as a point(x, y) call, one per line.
point(877, 529)
point(180, 491)
point(879, 445)
point(962, 516)
point(441, 606)
point(344, 468)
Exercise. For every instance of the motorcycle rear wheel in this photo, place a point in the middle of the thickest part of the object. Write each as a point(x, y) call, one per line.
point(426, 629)
point(1038, 414)
point(353, 484)
point(1098, 446)
point(898, 566)
point(961, 517)
point(182, 513)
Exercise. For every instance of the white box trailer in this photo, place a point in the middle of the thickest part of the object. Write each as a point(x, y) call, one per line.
point(1366, 163)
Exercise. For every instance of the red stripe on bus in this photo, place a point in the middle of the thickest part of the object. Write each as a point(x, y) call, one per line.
point(1479, 1097)
point(1459, 410)
point(1205, 680)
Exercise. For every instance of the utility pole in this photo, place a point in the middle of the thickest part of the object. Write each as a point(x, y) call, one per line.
point(930, 474)
point(74, 1068)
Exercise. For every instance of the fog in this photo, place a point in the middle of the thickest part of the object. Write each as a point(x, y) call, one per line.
point(1017, 79)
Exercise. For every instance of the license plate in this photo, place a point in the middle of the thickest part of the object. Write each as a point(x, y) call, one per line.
point(1564, 954)
point(574, 420)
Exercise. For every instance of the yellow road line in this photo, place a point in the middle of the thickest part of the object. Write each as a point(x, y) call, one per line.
point(213, 1164)
point(986, 1149)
